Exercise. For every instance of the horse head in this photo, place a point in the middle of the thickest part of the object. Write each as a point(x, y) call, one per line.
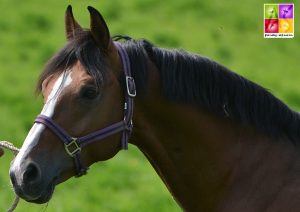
point(82, 94)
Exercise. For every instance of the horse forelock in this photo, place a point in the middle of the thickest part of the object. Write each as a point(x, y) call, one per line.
point(83, 49)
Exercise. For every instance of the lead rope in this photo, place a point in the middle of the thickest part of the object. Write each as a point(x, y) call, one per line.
point(15, 151)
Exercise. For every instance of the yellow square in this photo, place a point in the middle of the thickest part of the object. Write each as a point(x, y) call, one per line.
point(286, 26)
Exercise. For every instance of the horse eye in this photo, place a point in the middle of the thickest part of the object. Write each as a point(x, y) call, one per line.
point(89, 93)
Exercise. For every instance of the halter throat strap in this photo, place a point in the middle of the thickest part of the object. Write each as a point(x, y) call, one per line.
point(74, 145)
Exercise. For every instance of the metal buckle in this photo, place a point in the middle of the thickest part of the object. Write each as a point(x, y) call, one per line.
point(129, 126)
point(130, 81)
point(72, 148)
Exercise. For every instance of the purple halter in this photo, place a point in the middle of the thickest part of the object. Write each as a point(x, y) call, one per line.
point(73, 145)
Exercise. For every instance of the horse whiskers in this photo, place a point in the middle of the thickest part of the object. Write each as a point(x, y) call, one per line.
point(9, 187)
point(14, 150)
point(45, 208)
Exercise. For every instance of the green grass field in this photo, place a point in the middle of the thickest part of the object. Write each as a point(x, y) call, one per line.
point(230, 32)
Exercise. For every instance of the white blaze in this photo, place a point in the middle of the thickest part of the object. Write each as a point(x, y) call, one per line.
point(33, 136)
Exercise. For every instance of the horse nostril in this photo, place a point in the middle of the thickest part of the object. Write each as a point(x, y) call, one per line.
point(32, 174)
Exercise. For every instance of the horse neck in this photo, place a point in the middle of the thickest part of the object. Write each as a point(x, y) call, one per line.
point(210, 162)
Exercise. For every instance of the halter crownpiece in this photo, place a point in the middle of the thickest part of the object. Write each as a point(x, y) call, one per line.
point(74, 145)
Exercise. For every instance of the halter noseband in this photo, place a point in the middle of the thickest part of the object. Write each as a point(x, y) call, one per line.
point(73, 145)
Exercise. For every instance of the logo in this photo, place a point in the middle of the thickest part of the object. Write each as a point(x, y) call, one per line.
point(279, 20)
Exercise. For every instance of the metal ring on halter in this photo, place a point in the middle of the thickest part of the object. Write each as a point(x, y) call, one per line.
point(72, 148)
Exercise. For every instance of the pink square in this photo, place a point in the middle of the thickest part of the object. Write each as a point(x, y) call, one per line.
point(271, 26)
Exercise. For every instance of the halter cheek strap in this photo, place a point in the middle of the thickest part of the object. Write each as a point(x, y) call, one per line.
point(74, 145)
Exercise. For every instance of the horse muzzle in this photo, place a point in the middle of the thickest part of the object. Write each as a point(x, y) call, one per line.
point(30, 185)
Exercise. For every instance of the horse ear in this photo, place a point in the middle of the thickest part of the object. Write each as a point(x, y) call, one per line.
point(99, 29)
point(72, 27)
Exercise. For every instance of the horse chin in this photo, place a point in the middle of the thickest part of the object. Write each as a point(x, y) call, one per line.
point(45, 195)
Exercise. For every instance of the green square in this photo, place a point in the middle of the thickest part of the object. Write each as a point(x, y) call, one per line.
point(271, 11)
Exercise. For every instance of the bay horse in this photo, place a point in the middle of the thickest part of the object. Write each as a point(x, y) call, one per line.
point(218, 141)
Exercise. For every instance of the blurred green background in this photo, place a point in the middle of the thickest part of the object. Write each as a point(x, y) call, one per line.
point(230, 32)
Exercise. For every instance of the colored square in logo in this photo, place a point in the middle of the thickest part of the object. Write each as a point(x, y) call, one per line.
point(271, 11)
point(286, 10)
point(271, 26)
point(286, 25)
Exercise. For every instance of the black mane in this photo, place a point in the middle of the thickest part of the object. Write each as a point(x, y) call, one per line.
point(187, 78)
point(194, 79)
